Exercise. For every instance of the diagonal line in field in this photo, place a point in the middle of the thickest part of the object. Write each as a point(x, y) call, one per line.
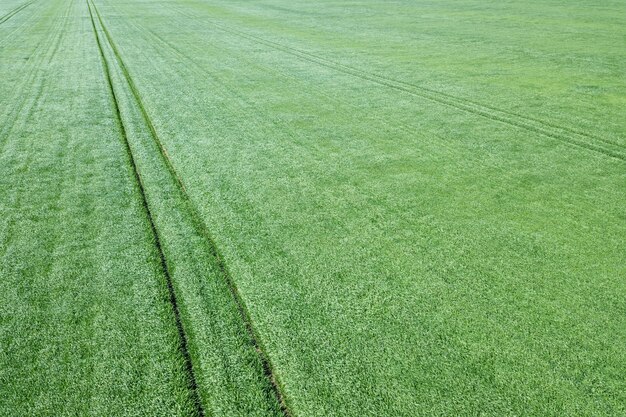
point(28, 93)
point(15, 11)
point(183, 343)
point(568, 135)
point(200, 225)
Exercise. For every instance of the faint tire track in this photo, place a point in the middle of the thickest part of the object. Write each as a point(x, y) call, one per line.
point(15, 11)
point(33, 79)
point(25, 23)
point(219, 83)
point(568, 135)
point(19, 116)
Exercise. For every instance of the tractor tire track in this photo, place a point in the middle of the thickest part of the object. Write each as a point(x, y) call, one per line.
point(15, 11)
point(207, 75)
point(33, 80)
point(183, 341)
point(466, 101)
point(199, 223)
point(220, 83)
point(210, 77)
point(26, 23)
point(196, 68)
point(568, 135)
point(20, 117)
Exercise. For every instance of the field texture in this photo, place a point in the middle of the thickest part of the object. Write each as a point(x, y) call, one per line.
point(296, 208)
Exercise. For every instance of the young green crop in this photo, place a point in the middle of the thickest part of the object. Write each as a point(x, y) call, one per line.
point(411, 233)
point(85, 326)
point(373, 208)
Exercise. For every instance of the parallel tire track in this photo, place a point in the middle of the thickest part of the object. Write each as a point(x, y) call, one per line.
point(568, 135)
point(183, 344)
point(201, 226)
point(17, 117)
point(25, 23)
point(23, 103)
point(201, 71)
point(15, 11)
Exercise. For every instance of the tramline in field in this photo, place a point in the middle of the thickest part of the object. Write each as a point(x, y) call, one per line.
point(246, 208)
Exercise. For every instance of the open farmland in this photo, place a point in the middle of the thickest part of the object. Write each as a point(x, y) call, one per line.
point(297, 208)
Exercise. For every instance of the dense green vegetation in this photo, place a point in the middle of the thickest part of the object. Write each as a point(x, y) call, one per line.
point(85, 327)
point(300, 208)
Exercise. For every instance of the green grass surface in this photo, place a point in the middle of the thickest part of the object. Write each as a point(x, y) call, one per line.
point(85, 324)
point(312, 208)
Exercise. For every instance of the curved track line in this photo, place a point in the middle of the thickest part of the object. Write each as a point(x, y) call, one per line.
point(268, 368)
point(183, 344)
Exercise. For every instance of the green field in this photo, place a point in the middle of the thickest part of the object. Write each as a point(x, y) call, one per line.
point(297, 208)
